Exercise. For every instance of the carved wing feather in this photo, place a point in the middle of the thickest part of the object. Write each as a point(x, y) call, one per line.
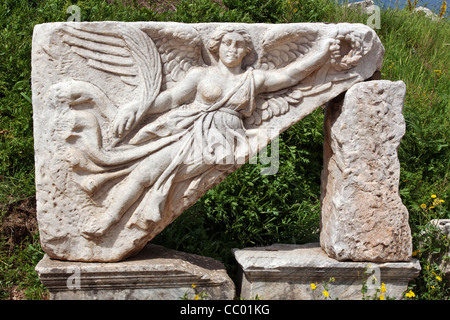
point(273, 104)
point(180, 51)
point(282, 47)
point(104, 51)
point(281, 50)
point(124, 51)
point(144, 52)
point(279, 103)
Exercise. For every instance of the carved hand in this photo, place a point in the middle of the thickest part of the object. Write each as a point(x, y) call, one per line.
point(335, 47)
point(125, 118)
point(331, 46)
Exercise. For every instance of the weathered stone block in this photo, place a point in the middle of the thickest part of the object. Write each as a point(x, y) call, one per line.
point(363, 217)
point(286, 272)
point(156, 273)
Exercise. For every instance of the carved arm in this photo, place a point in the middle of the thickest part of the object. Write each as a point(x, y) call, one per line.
point(181, 93)
point(274, 80)
point(178, 95)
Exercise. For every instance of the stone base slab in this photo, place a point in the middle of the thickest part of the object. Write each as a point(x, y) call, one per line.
point(155, 273)
point(286, 272)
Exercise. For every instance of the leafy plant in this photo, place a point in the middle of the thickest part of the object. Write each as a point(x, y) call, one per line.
point(432, 249)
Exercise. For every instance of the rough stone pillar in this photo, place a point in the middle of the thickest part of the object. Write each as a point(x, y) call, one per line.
point(363, 217)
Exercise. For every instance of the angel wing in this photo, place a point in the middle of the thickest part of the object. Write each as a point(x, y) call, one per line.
point(280, 51)
point(278, 103)
point(180, 50)
point(123, 51)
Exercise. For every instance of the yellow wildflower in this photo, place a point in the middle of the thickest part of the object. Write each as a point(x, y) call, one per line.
point(431, 207)
point(410, 294)
point(438, 278)
point(383, 288)
point(193, 286)
point(433, 196)
point(443, 9)
point(423, 206)
point(438, 72)
point(415, 253)
point(381, 296)
point(196, 297)
point(325, 293)
point(313, 286)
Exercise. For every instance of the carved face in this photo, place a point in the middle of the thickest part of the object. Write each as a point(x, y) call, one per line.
point(232, 49)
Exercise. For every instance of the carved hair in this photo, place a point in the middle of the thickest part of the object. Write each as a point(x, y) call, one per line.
point(215, 40)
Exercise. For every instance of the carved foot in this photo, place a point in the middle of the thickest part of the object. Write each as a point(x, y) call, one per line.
point(91, 231)
point(96, 227)
point(137, 223)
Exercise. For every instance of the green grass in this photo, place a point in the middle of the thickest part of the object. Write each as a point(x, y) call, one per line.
point(247, 209)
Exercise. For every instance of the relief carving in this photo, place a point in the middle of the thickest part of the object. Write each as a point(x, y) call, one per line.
point(135, 121)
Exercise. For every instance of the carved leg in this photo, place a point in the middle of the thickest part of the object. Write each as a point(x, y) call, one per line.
point(125, 194)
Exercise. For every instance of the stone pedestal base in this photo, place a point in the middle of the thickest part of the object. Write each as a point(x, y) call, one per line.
point(155, 273)
point(286, 272)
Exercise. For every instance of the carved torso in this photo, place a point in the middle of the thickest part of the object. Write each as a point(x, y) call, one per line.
point(210, 89)
point(215, 86)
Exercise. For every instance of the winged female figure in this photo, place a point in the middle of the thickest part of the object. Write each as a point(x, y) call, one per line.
point(191, 119)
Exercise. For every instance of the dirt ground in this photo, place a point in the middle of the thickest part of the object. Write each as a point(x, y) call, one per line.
point(19, 221)
point(18, 224)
